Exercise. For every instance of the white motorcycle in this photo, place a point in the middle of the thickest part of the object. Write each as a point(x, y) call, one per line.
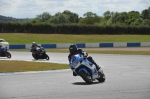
point(84, 68)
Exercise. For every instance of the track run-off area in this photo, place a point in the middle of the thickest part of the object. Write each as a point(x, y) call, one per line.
point(127, 77)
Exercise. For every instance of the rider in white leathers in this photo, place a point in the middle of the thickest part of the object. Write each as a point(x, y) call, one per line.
point(74, 50)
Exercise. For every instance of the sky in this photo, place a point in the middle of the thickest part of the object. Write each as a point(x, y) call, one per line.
point(32, 8)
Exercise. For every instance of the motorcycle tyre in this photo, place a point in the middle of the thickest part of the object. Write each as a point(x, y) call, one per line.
point(47, 57)
point(34, 57)
point(85, 78)
point(102, 77)
point(8, 55)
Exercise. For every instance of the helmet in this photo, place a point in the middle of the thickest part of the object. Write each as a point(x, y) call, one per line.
point(73, 48)
point(33, 43)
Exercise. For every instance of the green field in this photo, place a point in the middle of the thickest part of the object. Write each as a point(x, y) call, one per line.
point(22, 38)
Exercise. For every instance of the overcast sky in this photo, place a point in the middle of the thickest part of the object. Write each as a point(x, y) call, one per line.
point(31, 8)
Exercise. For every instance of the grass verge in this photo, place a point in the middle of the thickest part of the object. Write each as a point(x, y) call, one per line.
point(23, 66)
point(28, 38)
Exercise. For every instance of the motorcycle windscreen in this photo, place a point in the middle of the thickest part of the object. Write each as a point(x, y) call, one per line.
point(75, 59)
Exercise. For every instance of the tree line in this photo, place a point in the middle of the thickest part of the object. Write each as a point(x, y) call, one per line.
point(132, 22)
point(11, 19)
point(132, 18)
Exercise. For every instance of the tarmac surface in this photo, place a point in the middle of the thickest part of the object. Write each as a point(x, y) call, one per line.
point(127, 77)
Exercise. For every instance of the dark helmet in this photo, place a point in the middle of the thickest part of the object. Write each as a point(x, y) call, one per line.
point(73, 48)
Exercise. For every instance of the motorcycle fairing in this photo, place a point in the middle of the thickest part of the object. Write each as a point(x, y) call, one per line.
point(79, 63)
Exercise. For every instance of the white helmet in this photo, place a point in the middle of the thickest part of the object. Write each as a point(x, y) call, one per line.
point(33, 43)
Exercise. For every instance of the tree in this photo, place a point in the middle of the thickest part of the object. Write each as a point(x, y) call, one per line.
point(131, 17)
point(116, 17)
point(44, 16)
point(64, 17)
point(59, 18)
point(146, 13)
point(90, 18)
point(90, 15)
point(122, 17)
point(138, 22)
point(35, 20)
point(107, 14)
point(72, 17)
point(86, 21)
point(146, 22)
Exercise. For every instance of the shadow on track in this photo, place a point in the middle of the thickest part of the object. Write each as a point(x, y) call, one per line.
point(40, 60)
point(84, 83)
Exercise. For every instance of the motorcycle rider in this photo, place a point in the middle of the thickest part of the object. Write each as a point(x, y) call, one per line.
point(74, 50)
point(1, 47)
point(33, 48)
point(34, 45)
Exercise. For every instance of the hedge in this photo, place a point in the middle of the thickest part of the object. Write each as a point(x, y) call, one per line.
point(71, 29)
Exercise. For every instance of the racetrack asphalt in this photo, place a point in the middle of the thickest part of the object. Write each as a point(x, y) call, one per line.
point(127, 77)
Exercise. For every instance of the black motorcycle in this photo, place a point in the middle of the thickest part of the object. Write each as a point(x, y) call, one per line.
point(39, 53)
point(4, 52)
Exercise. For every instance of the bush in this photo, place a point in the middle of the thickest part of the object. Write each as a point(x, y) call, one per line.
point(71, 29)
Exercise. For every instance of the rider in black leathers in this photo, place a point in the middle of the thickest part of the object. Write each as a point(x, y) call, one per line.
point(74, 50)
point(0, 47)
point(34, 45)
point(33, 49)
point(1, 51)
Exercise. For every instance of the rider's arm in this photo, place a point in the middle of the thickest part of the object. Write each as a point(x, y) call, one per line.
point(69, 58)
point(85, 54)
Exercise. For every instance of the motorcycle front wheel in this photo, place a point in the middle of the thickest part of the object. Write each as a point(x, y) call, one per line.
point(8, 55)
point(34, 56)
point(85, 77)
point(102, 77)
point(47, 57)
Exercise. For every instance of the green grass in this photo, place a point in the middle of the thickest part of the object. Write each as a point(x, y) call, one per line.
point(28, 38)
point(22, 66)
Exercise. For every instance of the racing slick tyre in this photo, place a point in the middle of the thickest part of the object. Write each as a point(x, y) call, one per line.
point(34, 56)
point(8, 55)
point(85, 77)
point(47, 57)
point(102, 77)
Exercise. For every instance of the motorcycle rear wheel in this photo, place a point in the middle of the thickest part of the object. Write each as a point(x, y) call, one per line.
point(85, 77)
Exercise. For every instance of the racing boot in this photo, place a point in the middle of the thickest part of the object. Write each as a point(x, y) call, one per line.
point(99, 69)
point(97, 66)
point(74, 74)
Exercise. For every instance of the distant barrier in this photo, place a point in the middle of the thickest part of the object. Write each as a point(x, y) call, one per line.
point(83, 45)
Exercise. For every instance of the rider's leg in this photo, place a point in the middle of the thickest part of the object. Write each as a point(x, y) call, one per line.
point(92, 61)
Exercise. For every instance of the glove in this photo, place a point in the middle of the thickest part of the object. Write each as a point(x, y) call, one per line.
point(84, 54)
